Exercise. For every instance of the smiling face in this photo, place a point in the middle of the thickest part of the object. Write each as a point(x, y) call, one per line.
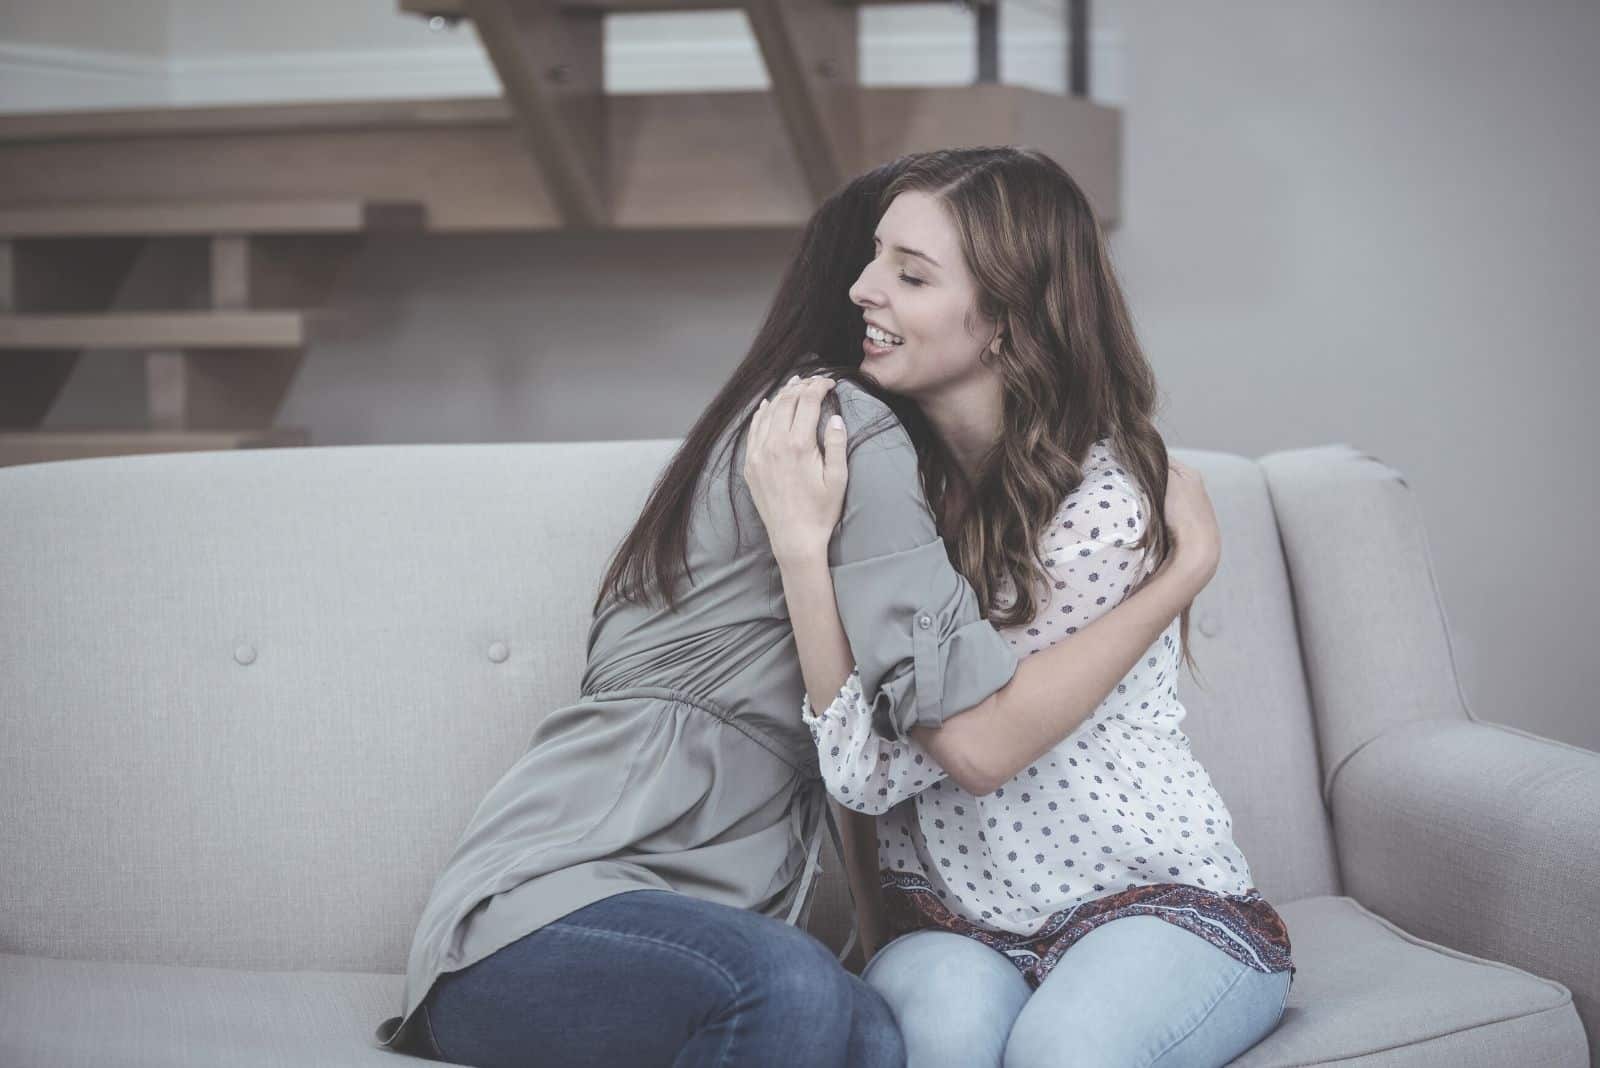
point(924, 332)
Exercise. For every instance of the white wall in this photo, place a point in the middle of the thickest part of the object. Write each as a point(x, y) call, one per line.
point(1375, 223)
point(1353, 221)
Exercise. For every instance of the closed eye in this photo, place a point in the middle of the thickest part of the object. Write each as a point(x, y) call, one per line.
point(909, 279)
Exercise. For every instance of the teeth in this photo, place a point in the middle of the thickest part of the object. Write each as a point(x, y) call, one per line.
point(882, 337)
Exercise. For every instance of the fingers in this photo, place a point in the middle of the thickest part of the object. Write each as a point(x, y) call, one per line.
point(809, 406)
point(794, 398)
point(756, 436)
point(796, 405)
point(764, 412)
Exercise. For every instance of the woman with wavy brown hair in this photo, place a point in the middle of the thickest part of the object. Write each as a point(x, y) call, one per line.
point(1058, 889)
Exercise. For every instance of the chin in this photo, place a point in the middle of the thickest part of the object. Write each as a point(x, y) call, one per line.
point(870, 373)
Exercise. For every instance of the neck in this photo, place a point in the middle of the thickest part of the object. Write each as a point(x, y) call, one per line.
point(967, 416)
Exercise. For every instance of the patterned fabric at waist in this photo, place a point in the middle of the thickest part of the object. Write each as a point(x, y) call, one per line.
point(1244, 926)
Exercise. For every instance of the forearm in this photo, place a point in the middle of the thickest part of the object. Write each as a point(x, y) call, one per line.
point(1055, 690)
point(824, 649)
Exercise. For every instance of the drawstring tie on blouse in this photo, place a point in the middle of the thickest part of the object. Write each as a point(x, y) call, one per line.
point(813, 795)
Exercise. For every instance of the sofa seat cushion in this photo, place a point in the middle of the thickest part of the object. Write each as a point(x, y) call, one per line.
point(56, 1013)
point(1367, 993)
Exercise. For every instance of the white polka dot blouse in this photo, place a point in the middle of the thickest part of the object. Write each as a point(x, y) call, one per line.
point(1120, 802)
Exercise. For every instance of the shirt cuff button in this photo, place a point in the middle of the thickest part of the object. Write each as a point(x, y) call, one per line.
point(924, 622)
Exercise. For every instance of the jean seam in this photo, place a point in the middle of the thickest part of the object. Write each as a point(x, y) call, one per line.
point(1205, 1016)
point(728, 1043)
point(433, 1040)
point(688, 950)
point(733, 984)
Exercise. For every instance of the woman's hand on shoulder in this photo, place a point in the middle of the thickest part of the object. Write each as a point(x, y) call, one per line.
point(1197, 539)
point(798, 491)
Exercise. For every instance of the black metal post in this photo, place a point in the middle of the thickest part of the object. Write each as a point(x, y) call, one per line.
point(988, 41)
point(1078, 47)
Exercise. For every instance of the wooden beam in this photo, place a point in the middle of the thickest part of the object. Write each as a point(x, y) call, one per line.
point(230, 273)
point(166, 384)
point(153, 330)
point(176, 219)
point(551, 66)
point(678, 160)
point(812, 60)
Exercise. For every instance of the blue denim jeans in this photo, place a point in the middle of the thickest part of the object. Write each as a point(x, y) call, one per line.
point(651, 977)
point(1136, 991)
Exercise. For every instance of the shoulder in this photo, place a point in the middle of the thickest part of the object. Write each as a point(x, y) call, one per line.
point(860, 408)
point(869, 422)
point(1107, 506)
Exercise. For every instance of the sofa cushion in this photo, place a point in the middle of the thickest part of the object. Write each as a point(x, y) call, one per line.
point(1368, 993)
point(75, 1012)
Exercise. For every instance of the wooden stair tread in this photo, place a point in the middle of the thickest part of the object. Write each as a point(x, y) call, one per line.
point(711, 160)
point(155, 330)
point(202, 218)
point(40, 446)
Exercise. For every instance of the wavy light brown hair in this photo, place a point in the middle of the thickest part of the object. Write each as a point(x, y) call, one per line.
point(1071, 368)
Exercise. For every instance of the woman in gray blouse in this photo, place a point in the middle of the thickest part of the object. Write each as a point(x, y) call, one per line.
point(633, 890)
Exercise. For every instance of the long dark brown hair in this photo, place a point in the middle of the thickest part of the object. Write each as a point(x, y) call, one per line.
point(811, 326)
point(1072, 370)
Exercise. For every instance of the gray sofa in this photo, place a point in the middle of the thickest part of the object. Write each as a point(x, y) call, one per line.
point(249, 699)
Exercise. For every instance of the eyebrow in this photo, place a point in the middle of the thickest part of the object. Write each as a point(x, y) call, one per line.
point(912, 252)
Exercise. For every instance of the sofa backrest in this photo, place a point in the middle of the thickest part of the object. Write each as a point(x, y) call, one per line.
point(248, 700)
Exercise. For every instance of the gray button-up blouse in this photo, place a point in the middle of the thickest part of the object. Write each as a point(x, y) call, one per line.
point(684, 764)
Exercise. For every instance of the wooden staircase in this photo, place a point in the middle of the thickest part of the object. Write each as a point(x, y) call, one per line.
point(549, 57)
point(214, 376)
point(275, 198)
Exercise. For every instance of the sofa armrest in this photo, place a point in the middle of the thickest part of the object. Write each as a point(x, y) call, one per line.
point(1484, 838)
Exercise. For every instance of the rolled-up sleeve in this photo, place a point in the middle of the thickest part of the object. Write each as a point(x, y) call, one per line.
point(923, 650)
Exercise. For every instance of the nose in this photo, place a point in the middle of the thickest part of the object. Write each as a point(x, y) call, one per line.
point(865, 292)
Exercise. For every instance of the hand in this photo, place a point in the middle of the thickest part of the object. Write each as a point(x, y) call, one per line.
point(798, 491)
point(1196, 537)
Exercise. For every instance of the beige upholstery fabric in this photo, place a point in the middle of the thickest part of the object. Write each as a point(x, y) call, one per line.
point(248, 699)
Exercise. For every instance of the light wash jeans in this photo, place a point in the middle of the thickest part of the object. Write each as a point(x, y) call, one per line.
point(651, 979)
point(1136, 992)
